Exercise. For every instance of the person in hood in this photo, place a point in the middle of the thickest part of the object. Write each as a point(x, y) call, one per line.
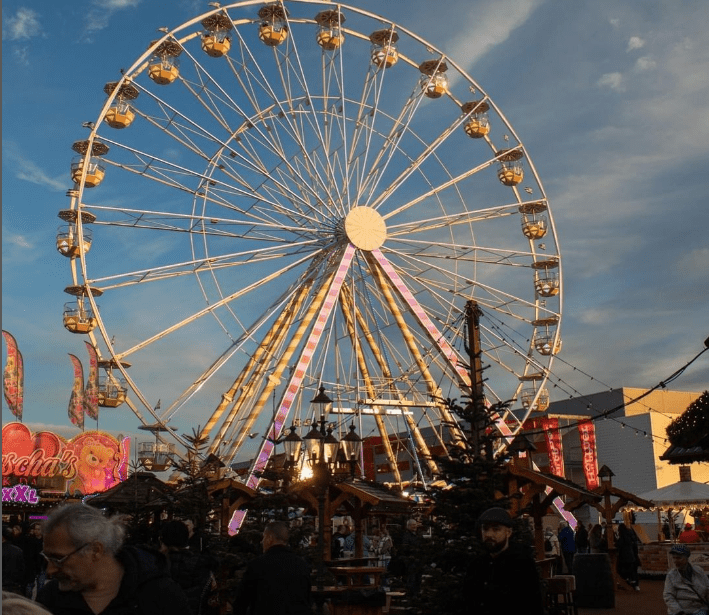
point(193, 572)
point(503, 580)
point(93, 573)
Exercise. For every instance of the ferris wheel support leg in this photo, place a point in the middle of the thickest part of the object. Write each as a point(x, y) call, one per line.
point(347, 306)
point(299, 372)
point(272, 341)
point(256, 358)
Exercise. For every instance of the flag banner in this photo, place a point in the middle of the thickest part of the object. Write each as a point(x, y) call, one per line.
point(587, 434)
point(91, 390)
point(554, 445)
point(76, 401)
point(13, 377)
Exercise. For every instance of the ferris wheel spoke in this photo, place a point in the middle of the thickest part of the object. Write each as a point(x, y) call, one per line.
point(295, 102)
point(452, 219)
point(435, 190)
point(248, 257)
point(211, 308)
point(416, 164)
point(256, 226)
point(390, 144)
point(292, 298)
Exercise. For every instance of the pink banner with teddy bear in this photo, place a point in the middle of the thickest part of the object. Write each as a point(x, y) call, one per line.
point(91, 462)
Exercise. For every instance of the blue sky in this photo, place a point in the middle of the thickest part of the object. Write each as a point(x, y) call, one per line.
point(610, 100)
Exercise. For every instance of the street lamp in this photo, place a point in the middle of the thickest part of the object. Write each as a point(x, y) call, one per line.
point(321, 448)
point(292, 444)
point(352, 447)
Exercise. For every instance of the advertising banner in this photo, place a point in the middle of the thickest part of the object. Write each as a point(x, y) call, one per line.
point(587, 434)
point(76, 401)
point(91, 390)
point(91, 462)
point(13, 376)
point(554, 445)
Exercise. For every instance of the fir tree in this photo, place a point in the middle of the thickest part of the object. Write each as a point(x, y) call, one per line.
point(474, 480)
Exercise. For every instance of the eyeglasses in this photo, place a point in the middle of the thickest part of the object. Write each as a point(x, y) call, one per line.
point(60, 561)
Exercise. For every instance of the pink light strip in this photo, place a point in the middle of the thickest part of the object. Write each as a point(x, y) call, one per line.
point(420, 314)
point(448, 352)
point(297, 378)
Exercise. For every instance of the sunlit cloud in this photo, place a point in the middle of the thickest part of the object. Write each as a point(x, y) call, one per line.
point(635, 42)
point(487, 26)
point(98, 17)
point(22, 26)
point(614, 81)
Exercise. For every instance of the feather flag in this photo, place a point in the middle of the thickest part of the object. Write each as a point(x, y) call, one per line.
point(91, 390)
point(76, 401)
point(13, 377)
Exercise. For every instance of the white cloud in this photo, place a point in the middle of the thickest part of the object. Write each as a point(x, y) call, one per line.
point(21, 54)
point(635, 42)
point(614, 81)
point(23, 26)
point(27, 170)
point(694, 264)
point(19, 241)
point(645, 63)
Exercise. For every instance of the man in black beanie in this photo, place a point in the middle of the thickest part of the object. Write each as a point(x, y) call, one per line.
point(504, 579)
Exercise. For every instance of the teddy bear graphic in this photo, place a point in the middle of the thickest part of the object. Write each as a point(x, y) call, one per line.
point(92, 467)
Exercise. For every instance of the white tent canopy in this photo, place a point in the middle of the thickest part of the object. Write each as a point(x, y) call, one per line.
point(683, 494)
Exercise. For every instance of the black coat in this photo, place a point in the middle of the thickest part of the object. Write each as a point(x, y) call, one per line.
point(146, 589)
point(194, 573)
point(13, 567)
point(504, 585)
point(276, 583)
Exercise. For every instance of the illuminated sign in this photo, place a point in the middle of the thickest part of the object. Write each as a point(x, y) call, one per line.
point(90, 462)
point(587, 434)
point(20, 493)
point(554, 445)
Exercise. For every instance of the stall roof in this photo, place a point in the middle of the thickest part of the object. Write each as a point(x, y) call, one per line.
point(380, 498)
point(141, 489)
point(676, 454)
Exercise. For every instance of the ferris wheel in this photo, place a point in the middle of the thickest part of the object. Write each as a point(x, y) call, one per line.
point(281, 197)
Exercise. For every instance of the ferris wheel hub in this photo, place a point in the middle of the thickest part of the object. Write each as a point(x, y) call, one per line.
point(365, 228)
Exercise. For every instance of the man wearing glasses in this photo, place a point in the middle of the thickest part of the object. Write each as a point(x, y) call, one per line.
point(92, 571)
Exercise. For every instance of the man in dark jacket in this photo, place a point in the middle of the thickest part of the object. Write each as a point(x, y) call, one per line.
point(503, 580)
point(92, 572)
point(277, 582)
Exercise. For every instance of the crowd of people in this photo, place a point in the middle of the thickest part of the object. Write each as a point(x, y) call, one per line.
point(80, 561)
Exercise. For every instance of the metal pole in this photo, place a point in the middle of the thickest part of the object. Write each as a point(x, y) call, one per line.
point(477, 396)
